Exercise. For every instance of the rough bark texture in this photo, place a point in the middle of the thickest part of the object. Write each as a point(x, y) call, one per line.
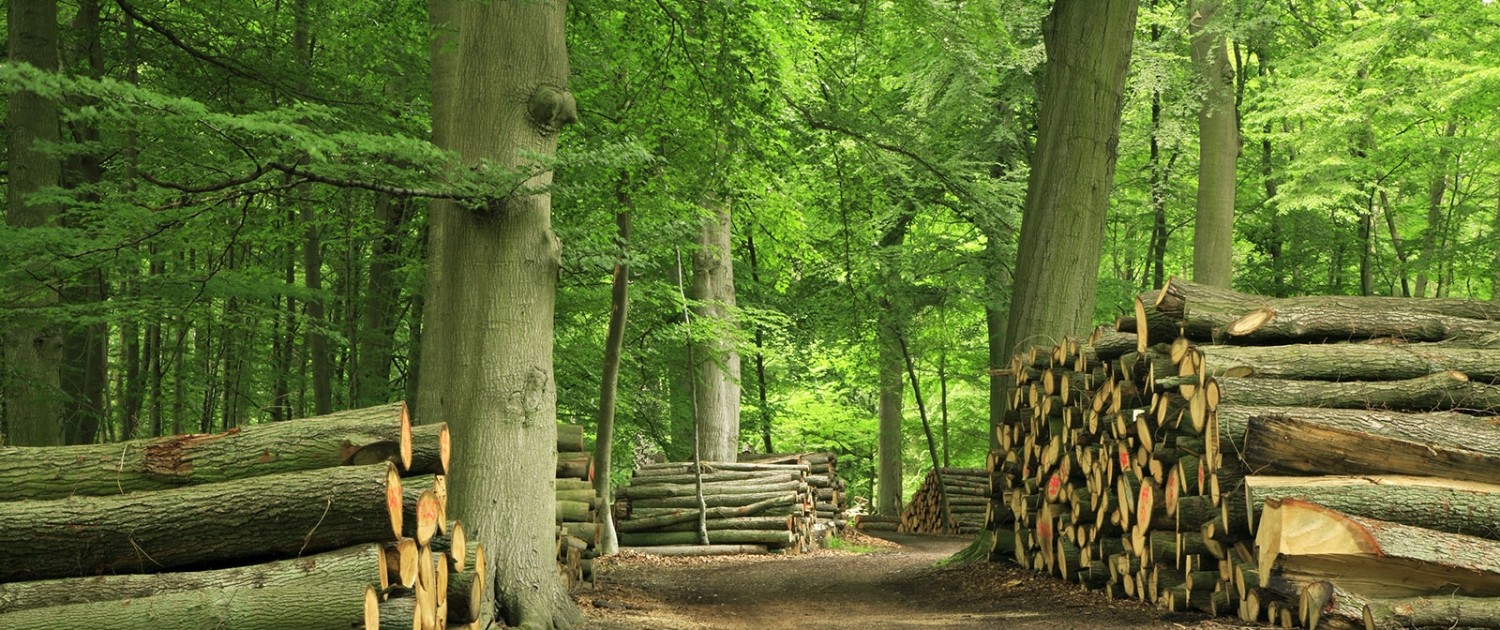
point(33, 344)
point(1088, 49)
point(491, 289)
point(332, 606)
point(1218, 149)
point(1458, 507)
point(718, 364)
point(275, 515)
point(1338, 441)
point(1304, 324)
point(382, 311)
point(1332, 362)
point(1179, 297)
point(175, 461)
point(358, 565)
point(1444, 390)
point(888, 501)
point(604, 440)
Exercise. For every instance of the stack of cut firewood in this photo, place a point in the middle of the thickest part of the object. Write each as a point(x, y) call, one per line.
point(1312, 461)
point(749, 507)
point(967, 492)
point(578, 508)
point(305, 524)
point(823, 477)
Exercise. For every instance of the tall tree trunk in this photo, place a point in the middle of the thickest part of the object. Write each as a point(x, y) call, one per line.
point(312, 250)
point(487, 355)
point(999, 359)
point(1396, 242)
point(889, 320)
point(1218, 149)
point(1435, 227)
point(619, 311)
point(1367, 247)
point(1158, 187)
point(1495, 246)
point(1088, 49)
point(284, 332)
point(377, 332)
point(760, 350)
point(33, 344)
point(1275, 240)
point(718, 363)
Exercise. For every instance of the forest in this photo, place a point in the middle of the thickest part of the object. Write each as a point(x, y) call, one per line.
point(224, 214)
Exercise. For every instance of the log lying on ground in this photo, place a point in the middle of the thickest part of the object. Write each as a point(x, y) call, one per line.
point(569, 438)
point(698, 550)
point(358, 565)
point(1186, 300)
point(1458, 507)
point(662, 491)
point(1373, 557)
point(286, 514)
point(1448, 389)
point(1322, 324)
point(686, 468)
point(1351, 361)
point(331, 606)
point(347, 437)
point(1342, 441)
point(575, 465)
point(963, 487)
point(684, 515)
point(779, 538)
point(711, 478)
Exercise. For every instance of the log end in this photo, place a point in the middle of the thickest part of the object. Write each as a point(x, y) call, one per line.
point(372, 608)
point(429, 512)
point(405, 437)
point(1142, 334)
point(1251, 322)
point(458, 546)
point(393, 498)
point(445, 449)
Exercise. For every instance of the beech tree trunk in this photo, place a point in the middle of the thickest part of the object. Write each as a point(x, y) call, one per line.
point(33, 344)
point(491, 288)
point(1218, 150)
point(1432, 235)
point(381, 313)
point(614, 341)
point(718, 364)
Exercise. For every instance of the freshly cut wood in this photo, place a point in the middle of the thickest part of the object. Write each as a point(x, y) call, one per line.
point(1351, 361)
point(1448, 389)
point(1179, 293)
point(1459, 507)
point(358, 565)
point(698, 550)
point(685, 515)
point(686, 490)
point(465, 596)
point(38, 473)
point(1347, 441)
point(765, 537)
point(1373, 557)
point(331, 606)
point(274, 515)
point(1323, 324)
point(569, 438)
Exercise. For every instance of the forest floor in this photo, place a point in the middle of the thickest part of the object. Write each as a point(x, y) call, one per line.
point(893, 585)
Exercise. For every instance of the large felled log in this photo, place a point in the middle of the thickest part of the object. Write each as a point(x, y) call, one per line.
point(1373, 557)
point(1444, 390)
point(1322, 324)
point(1351, 361)
point(1179, 297)
point(172, 462)
point(275, 515)
point(1346, 441)
point(1459, 507)
point(647, 523)
point(575, 465)
point(358, 565)
point(332, 606)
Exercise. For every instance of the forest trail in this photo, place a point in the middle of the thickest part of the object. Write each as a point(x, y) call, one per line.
point(898, 587)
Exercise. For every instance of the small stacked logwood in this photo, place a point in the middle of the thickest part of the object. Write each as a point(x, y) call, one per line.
point(967, 492)
point(823, 477)
point(751, 506)
point(299, 524)
point(877, 522)
point(1313, 461)
point(578, 508)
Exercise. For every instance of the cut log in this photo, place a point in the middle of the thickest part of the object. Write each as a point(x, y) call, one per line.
point(331, 606)
point(1458, 507)
point(716, 500)
point(275, 515)
point(780, 537)
point(1179, 293)
point(569, 438)
point(742, 522)
point(1326, 324)
point(723, 488)
point(1350, 361)
point(356, 565)
point(37, 473)
point(759, 477)
point(1444, 390)
point(685, 515)
point(1373, 557)
point(1342, 441)
point(575, 465)
point(684, 468)
point(698, 550)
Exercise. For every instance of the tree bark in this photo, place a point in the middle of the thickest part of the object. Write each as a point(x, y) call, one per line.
point(891, 318)
point(718, 364)
point(381, 312)
point(1350, 442)
point(1302, 324)
point(1432, 235)
point(1441, 391)
point(487, 355)
point(1218, 150)
point(1458, 507)
point(333, 606)
point(760, 351)
point(33, 344)
point(276, 515)
point(772, 537)
point(1182, 300)
point(1331, 362)
point(614, 341)
point(359, 564)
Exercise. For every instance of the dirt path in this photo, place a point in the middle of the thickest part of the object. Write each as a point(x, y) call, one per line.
point(892, 588)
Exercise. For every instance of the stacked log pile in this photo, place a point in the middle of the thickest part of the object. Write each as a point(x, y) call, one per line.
point(750, 507)
point(305, 524)
point(967, 491)
point(578, 508)
point(1311, 462)
point(823, 478)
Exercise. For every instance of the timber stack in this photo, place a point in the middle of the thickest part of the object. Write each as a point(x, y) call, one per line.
point(749, 508)
point(967, 491)
point(578, 506)
point(331, 522)
point(1320, 462)
point(822, 477)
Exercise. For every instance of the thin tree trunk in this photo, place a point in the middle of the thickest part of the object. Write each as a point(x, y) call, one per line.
point(943, 386)
point(377, 333)
point(1435, 194)
point(1218, 150)
point(619, 311)
point(33, 344)
point(285, 331)
point(937, 471)
point(312, 246)
point(760, 351)
point(1367, 247)
point(694, 386)
point(1396, 243)
point(487, 356)
point(1158, 188)
point(717, 363)
point(1495, 246)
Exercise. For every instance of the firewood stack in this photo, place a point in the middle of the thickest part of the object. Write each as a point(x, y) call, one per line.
point(823, 477)
point(578, 508)
point(1311, 462)
point(299, 524)
point(968, 493)
point(751, 506)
